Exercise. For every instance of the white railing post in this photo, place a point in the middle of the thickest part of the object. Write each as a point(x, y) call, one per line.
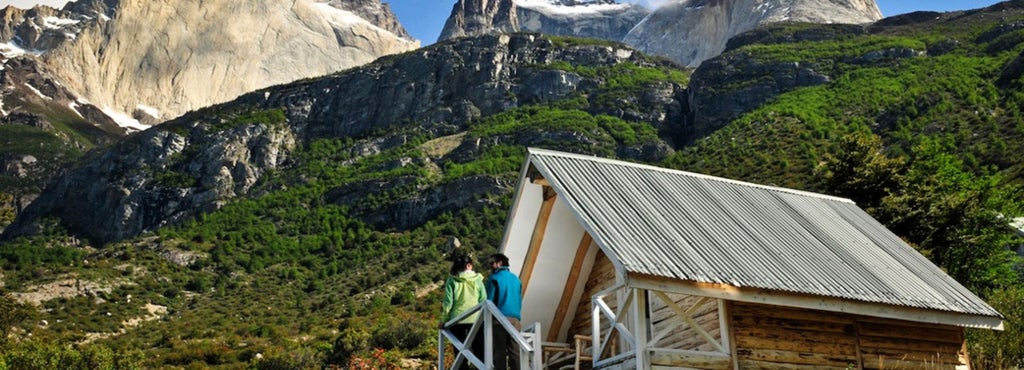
point(595, 321)
point(488, 339)
point(529, 344)
point(440, 348)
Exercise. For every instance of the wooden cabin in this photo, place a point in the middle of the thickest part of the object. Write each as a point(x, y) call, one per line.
point(633, 266)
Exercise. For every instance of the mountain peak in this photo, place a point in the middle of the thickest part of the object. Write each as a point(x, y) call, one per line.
point(172, 57)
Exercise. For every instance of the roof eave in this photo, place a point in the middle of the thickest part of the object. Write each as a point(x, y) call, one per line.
point(831, 304)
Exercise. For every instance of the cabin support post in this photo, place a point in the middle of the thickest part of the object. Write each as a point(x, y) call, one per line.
point(640, 323)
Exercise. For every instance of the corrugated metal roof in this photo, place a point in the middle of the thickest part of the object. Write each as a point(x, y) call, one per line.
point(699, 228)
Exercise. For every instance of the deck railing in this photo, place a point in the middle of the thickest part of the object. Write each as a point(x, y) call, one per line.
point(527, 341)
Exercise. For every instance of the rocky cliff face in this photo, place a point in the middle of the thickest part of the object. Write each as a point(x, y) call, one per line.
point(601, 19)
point(480, 17)
point(165, 58)
point(90, 73)
point(686, 31)
point(157, 59)
point(199, 161)
point(691, 31)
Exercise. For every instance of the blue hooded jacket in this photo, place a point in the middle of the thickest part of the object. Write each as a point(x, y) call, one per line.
point(505, 290)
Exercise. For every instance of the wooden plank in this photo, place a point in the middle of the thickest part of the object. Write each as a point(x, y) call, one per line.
point(602, 276)
point(662, 311)
point(537, 238)
point(760, 310)
point(909, 344)
point(892, 322)
point(774, 334)
point(896, 364)
point(570, 287)
point(942, 334)
point(794, 345)
point(796, 357)
point(690, 359)
point(796, 324)
point(731, 333)
point(677, 337)
point(765, 365)
point(947, 358)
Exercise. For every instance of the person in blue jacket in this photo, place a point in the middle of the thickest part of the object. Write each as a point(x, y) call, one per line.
point(505, 290)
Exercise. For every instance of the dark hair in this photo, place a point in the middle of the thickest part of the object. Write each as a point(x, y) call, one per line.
point(500, 258)
point(459, 263)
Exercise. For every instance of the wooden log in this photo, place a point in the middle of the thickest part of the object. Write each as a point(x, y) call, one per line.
point(909, 345)
point(795, 324)
point(756, 310)
point(775, 334)
point(897, 364)
point(937, 357)
point(764, 365)
point(795, 357)
point(937, 333)
point(690, 359)
point(809, 346)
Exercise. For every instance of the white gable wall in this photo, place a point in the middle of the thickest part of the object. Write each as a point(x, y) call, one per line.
point(552, 267)
point(521, 223)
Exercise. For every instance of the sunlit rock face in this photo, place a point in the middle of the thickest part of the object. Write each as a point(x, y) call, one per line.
point(691, 31)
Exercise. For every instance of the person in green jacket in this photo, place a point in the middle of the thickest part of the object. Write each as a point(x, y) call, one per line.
point(463, 290)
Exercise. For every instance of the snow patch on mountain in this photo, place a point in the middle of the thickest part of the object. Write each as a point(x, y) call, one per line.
point(585, 8)
point(124, 120)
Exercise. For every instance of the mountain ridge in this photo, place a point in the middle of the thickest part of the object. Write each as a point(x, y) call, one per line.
point(686, 31)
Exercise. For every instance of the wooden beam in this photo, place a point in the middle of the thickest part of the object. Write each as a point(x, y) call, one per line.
point(676, 358)
point(539, 228)
point(570, 287)
point(778, 298)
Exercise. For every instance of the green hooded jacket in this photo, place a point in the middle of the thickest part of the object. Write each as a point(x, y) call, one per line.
point(461, 293)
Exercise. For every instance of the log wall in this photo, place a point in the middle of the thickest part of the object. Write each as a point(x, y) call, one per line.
point(602, 276)
point(773, 337)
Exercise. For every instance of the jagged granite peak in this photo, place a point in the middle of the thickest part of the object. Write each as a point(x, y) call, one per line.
point(198, 162)
point(37, 29)
point(691, 31)
point(375, 12)
point(162, 58)
point(602, 19)
point(480, 17)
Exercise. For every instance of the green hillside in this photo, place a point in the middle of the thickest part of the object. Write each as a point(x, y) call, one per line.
point(920, 123)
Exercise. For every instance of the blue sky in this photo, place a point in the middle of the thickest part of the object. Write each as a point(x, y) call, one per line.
point(424, 19)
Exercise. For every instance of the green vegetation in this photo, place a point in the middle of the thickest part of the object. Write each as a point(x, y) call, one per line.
point(289, 277)
point(929, 145)
point(269, 117)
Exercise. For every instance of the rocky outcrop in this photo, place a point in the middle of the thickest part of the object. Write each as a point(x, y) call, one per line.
point(480, 17)
point(159, 177)
point(196, 163)
point(601, 19)
point(447, 85)
point(691, 31)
